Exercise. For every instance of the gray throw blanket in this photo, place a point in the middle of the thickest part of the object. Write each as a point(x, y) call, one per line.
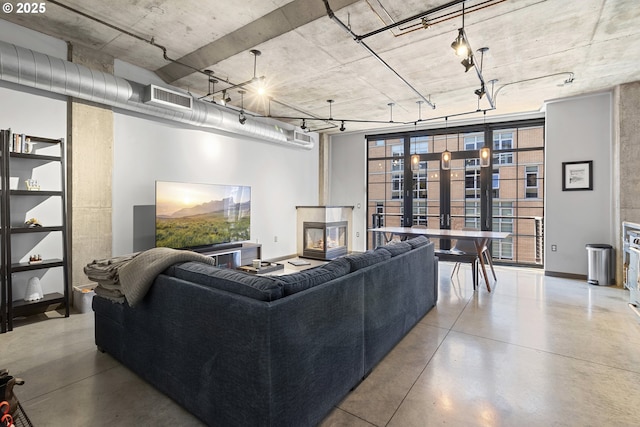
point(131, 276)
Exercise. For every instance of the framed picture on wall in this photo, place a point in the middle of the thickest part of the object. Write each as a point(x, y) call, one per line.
point(577, 175)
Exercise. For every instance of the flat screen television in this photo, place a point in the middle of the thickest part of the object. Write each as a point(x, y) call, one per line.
point(198, 216)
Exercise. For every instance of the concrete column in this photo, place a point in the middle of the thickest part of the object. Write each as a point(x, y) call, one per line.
point(323, 170)
point(626, 160)
point(89, 169)
point(629, 134)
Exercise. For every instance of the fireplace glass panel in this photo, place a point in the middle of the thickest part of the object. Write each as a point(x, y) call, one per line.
point(335, 237)
point(314, 239)
point(325, 240)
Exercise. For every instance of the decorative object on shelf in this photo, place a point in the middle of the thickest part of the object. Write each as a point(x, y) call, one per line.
point(32, 223)
point(34, 290)
point(577, 175)
point(35, 259)
point(32, 184)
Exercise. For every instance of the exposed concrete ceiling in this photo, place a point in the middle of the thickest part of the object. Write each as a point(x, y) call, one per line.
point(307, 58)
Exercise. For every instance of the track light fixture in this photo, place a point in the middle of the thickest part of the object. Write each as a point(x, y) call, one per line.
point(259, 81)
point(468, 63)
point(225, 98)
point(330, 101)
point(255, 53)
point(342, 128)
point(211, 82)
point(480, 92)
point(303, 126)
point(242, 118)
point(460, 44)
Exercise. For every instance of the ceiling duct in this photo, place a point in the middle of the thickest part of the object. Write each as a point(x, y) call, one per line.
point(37, 70)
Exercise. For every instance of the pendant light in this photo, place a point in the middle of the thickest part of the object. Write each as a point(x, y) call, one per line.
point(446, 155)
point(415, 163)
point(446, 160)
point(485, 152)
point(415, 158)
point(485, 157)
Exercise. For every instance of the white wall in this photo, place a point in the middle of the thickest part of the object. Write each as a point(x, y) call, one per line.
point(578, 129)
point(146, 150)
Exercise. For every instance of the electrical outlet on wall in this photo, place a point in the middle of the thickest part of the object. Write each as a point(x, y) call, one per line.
point(554, 248)
point(357, 234)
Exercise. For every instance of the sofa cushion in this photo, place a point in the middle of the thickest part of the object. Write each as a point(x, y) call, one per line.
point(383, 251)
point(297, 282)
point(398, 248)
point(368, 258)
point(263, 288)
point(418, 241)
point(340, 266)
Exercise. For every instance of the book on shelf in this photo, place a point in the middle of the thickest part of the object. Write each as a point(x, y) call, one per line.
point(20, 143)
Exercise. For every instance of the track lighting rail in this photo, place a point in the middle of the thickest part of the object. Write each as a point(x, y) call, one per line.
point(568, 80)
point(373, 53)
point(382, 122)
point(426, 23)
point(410, 19)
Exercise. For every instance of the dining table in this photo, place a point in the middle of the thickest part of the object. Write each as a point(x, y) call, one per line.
point(480, 238)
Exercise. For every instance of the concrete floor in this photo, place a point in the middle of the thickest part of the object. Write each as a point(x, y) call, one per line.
point(537, 351)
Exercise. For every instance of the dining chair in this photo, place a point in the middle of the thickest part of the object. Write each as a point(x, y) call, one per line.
point(469, 247)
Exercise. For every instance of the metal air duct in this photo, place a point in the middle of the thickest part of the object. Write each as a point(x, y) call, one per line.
point(29, 68)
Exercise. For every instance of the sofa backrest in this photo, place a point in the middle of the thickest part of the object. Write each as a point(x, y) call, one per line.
point(302, 280)
point(263, 288)
point(271, 288)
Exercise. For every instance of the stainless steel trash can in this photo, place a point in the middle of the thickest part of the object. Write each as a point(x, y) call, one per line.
point(600, 264)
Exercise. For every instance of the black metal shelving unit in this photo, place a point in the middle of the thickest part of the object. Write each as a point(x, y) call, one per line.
point(12, 154)
point(4, 322)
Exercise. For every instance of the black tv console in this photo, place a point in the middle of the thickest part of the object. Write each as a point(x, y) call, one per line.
point(235, 255)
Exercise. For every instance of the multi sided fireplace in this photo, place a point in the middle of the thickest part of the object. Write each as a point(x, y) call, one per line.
point(323, 231)
point(324, 240)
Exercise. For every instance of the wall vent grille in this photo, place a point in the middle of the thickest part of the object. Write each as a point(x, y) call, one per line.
point(302, 137)
point(162, 97)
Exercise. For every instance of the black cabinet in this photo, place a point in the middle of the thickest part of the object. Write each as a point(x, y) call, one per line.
point(34, 226)
point(235, 256)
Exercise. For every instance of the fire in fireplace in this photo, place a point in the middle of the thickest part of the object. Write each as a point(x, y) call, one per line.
point(324, 240)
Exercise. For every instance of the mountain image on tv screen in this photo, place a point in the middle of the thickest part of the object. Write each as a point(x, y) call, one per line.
point(198, 215)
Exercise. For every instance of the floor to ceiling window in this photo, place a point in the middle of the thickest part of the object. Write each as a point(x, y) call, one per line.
point(518, 206)
point(507, 196)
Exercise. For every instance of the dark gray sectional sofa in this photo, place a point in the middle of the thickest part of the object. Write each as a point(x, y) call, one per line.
point(241, 350)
